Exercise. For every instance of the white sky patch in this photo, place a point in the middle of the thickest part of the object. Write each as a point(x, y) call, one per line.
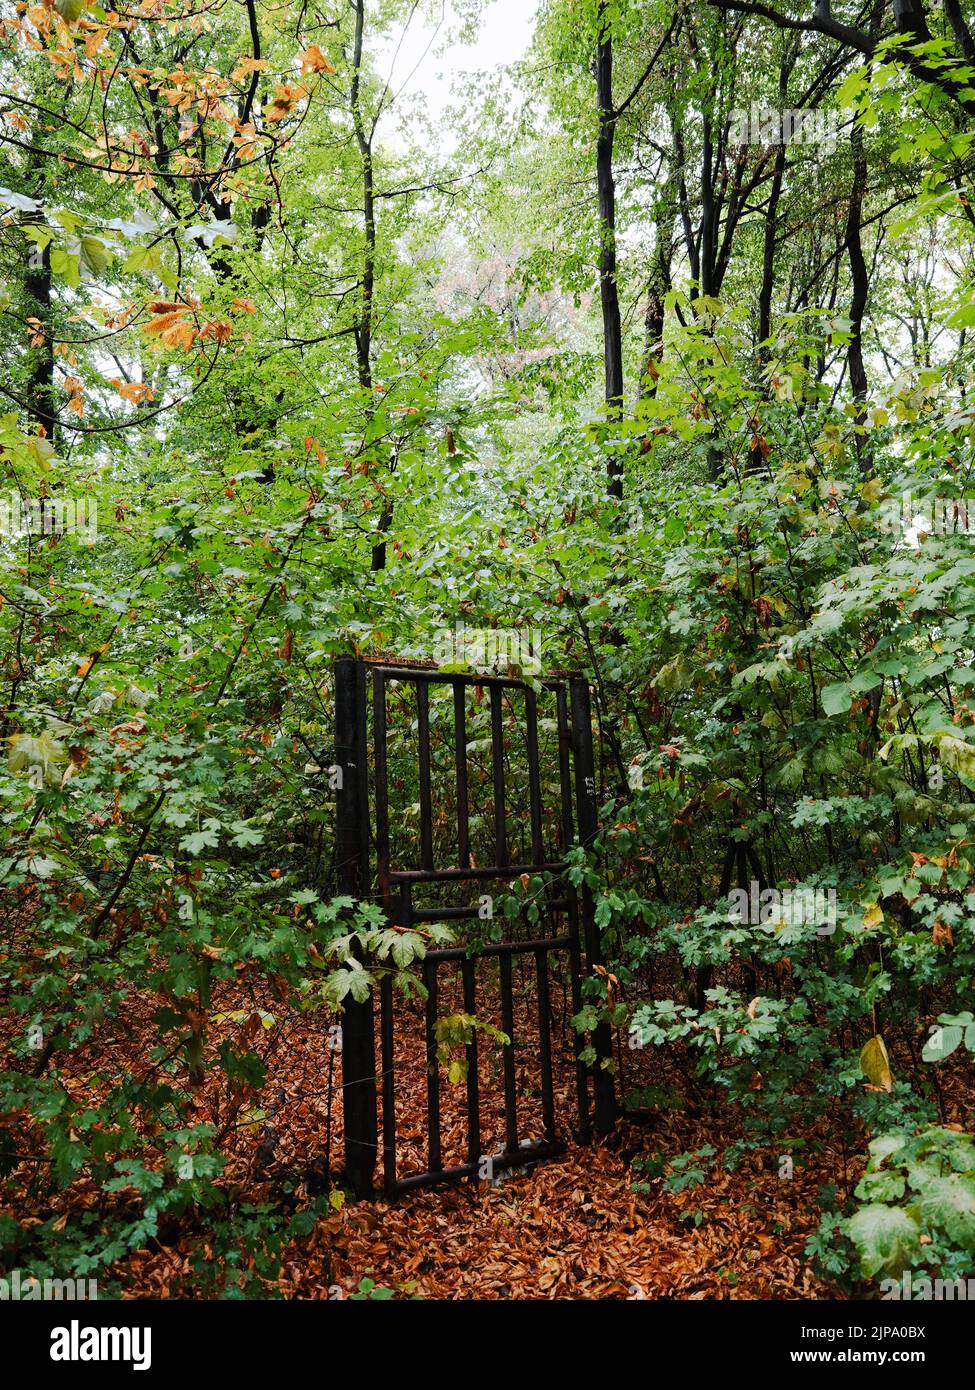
point(430, 62)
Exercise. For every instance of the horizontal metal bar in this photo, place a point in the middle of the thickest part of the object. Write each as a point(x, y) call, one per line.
point(530, 1153)
point(489, 871)
point(418, 673)
point(500, 948)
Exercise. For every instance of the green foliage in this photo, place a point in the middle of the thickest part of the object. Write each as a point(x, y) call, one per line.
point(678, 1172)
point(916, 1210)
point(451, 1031)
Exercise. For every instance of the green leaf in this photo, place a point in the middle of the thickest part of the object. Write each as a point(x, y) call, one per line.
point(949, 1203)
point(199, 840)
point(45, 753)
point(883, 1147)
point(941, 1043)
point(959, 756)
point(66, 265)
point(244, 835)
point(147, 259)
point(886, 1238)
point(835, 698)
point(95, 255)
point(677, 675)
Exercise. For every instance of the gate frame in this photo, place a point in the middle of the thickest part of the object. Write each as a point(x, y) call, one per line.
point(354, 874)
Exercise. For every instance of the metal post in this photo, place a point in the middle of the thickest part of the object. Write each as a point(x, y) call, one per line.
point(605, 1107)
point(352, 841)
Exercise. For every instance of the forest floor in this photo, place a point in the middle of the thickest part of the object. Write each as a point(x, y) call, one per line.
point(575, 1228)
point(587, 1224)
point(572, 1227)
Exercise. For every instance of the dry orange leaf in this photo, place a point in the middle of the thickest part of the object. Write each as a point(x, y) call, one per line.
point(314, 60)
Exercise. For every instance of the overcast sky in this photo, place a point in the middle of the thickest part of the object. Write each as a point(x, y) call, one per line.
point(428, 61)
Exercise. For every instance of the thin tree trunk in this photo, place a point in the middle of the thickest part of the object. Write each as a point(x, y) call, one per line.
point(653, 321)
point(608, 288)
point(709, 230)
point(363, 332)
point(363, 328)
point(768, 256)
point(960, 29)
point(40, 393)
point(860, 283)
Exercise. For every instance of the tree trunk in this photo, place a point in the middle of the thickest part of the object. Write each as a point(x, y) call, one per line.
point(40, 393)
point(859, 276)
point(653, 321)
point(608, 288)
point(363, 328)
point(768, 256)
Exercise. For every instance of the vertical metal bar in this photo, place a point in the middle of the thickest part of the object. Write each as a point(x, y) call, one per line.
point(586, 807)
point(497, 758)
point(578, 1042)
point(389, 1083)
point(565, 777)
point(575, 949)
point(545, 1045)
point(508, 1026)
point(400, 910)
point(382, 784)
point(426, 800)
point(585, 777)
point(460, 760)
point(352, 853)
point(534, 780)
point(473, 1085)
point(433, 1070)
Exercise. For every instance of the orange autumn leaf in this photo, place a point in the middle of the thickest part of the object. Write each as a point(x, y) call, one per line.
point(179, 335)
point(218, 330)
point(162, 323)
point(283, 102)
point(941, 934)
point(246, 66)
point(314, 60)
point(134, 391)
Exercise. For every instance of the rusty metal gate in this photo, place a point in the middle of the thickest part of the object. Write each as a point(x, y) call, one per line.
point(371, 851)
